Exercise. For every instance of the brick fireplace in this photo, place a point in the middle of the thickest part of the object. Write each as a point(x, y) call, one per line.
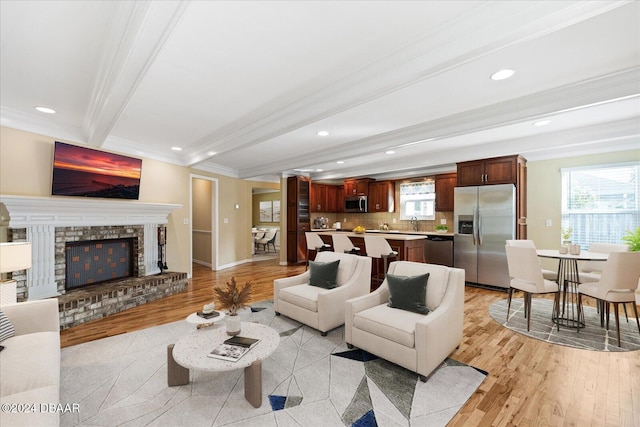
point(51, 224)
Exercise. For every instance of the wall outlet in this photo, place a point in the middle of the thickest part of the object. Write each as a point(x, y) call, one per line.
point(226, 221)
point(547, 223)
point(443, 221)
point(344, 220)
point(185, 221)
point(394, 220)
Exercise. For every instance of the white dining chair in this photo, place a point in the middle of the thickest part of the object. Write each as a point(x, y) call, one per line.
point(526, 276)
point(342, 243)
point(617, 285)
point(523, 243)
point(590, 271)
point(379, 249)
point(315, 243)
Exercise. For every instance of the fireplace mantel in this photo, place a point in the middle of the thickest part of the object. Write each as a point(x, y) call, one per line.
point(41, 215)
point(26, 211)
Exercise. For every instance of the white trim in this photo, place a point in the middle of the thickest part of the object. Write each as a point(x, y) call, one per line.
point(206, 264)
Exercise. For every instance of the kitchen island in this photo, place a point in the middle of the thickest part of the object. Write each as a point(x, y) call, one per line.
point(410, 247)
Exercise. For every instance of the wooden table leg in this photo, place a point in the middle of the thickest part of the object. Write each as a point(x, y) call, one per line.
point(176, 374)
point(253, 383)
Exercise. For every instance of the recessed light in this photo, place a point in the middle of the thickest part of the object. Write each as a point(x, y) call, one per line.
point(502, 74)
point(319, 170)
point(176, 148)
point(211, 153)
point(46, 110)
point(389, 152)
point(323, 133)
point(542, 123)
point(340, 162)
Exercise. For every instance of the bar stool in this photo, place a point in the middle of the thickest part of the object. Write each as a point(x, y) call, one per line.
point(315, 243)
point(341, 243)
point(377, 247)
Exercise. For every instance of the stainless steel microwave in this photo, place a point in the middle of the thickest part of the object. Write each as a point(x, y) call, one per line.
point(355, 204)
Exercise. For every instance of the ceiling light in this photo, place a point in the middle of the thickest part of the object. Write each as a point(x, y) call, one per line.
point(389, 152)
point(340, 162)
point(211, 153)
point(323, 133)
point(318, 170)
point(542, 123)
point(46, 110)
point(502, 74)
point(176, 148)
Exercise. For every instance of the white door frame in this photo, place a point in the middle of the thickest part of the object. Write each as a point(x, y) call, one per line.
point(214, 220)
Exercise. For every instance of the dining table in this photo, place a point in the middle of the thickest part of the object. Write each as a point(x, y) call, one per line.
point(568, 280)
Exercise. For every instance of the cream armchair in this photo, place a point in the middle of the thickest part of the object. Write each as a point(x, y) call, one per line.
point(417, 342)
point(323, 309)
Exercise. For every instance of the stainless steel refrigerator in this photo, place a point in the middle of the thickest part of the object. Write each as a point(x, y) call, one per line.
point(484, 219)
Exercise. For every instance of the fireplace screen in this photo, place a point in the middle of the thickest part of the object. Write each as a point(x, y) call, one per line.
point(96, 261)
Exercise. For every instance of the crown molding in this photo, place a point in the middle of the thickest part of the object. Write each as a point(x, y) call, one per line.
point(437, 51)
point(39, 124)
point(132, 49)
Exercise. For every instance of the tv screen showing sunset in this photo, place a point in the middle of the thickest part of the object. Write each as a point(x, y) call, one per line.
point(80, 171)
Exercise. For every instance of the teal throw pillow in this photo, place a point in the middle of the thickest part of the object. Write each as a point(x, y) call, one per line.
point(408, 293)
point(323, 274)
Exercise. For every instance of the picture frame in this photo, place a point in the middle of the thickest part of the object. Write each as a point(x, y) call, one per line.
point(266, 211)
point(276, 211)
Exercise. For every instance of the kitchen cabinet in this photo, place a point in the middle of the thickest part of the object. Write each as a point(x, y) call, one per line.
point(497, 170)
point(356, 187)
point(298, 218)
point(382, 196)
point(445, 184)
point(324, 198)
point(500, 170)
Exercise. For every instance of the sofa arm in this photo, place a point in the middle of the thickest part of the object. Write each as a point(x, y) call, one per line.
point(286, 282)
point(34, 316)
point(356, 305)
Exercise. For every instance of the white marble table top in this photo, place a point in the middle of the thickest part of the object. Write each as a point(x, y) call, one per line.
point(583, 256)
point(192, 350)
point(197, 320)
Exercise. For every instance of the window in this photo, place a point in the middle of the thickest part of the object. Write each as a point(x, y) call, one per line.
point(600, 203)
point(417, 199)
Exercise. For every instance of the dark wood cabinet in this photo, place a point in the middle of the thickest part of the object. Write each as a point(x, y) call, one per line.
point(356, 187)
point(445, 185)
point(324, 198)
point(500, 170)
point(497, 170)
point(298, 218)
point(382, 196)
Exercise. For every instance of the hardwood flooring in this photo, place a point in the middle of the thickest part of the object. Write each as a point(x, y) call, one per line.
point(530, 383)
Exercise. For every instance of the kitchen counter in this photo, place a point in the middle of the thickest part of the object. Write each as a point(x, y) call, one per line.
point(417, 233)
point(386, 235)
point(410, 247)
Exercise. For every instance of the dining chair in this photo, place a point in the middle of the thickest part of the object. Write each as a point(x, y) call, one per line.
point(342, 243)
point(259, 235)
point(617, 285)
point(523, 243)
point(379, 249)
point(526, 276)
point(590, 271)
point(269, 239)
point(315, 243)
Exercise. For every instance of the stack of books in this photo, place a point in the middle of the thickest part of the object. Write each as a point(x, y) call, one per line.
point(233, 348)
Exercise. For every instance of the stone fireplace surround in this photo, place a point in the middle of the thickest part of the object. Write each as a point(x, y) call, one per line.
point(49, 222)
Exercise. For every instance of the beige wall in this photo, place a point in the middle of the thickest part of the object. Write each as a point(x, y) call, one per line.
point(26, 161)
point(544, 193)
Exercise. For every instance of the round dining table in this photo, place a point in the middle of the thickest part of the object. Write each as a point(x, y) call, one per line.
point(568, 280)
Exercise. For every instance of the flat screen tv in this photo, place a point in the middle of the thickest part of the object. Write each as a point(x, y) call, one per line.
point(85, 172)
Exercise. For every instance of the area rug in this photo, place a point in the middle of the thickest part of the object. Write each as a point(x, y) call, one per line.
point(591, 337)
point(309, 380)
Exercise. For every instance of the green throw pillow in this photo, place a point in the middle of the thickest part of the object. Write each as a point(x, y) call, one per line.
point(408, 293)
point(323, 274)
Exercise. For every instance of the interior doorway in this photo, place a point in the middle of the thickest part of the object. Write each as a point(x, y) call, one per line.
point(204, 220)
point(266, 215)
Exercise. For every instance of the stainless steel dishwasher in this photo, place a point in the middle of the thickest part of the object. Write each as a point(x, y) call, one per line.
point(439, 250)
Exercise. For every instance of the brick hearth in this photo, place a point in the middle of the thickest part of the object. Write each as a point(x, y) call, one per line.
point(97, 301)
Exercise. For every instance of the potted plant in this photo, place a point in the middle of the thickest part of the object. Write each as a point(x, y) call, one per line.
point(566, 235)
point(441, 228)
point(233, 298)
point(632, 239)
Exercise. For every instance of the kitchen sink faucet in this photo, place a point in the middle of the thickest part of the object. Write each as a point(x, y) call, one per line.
point(414, 222)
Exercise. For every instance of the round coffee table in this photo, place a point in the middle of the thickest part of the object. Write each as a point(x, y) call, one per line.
point(192, 351)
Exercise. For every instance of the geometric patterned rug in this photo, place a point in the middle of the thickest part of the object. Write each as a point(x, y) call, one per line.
point(591, 337)
point(309, 380)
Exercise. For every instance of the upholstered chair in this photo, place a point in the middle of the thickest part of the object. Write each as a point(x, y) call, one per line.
point(322, 308)
point(342, 243)
point(526, 276)
point(407, 337)
point(547, 274)
point(617, 285)
point(590, 270)
point(268, 239)
point(315, 243)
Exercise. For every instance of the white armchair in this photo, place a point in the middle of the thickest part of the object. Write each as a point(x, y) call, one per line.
point(320, 308)
point(417, 342)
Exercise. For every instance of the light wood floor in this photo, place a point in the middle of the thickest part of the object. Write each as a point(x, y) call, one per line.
point(530, 383)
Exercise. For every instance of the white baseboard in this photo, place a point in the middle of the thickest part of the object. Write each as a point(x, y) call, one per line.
point(206, 264)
